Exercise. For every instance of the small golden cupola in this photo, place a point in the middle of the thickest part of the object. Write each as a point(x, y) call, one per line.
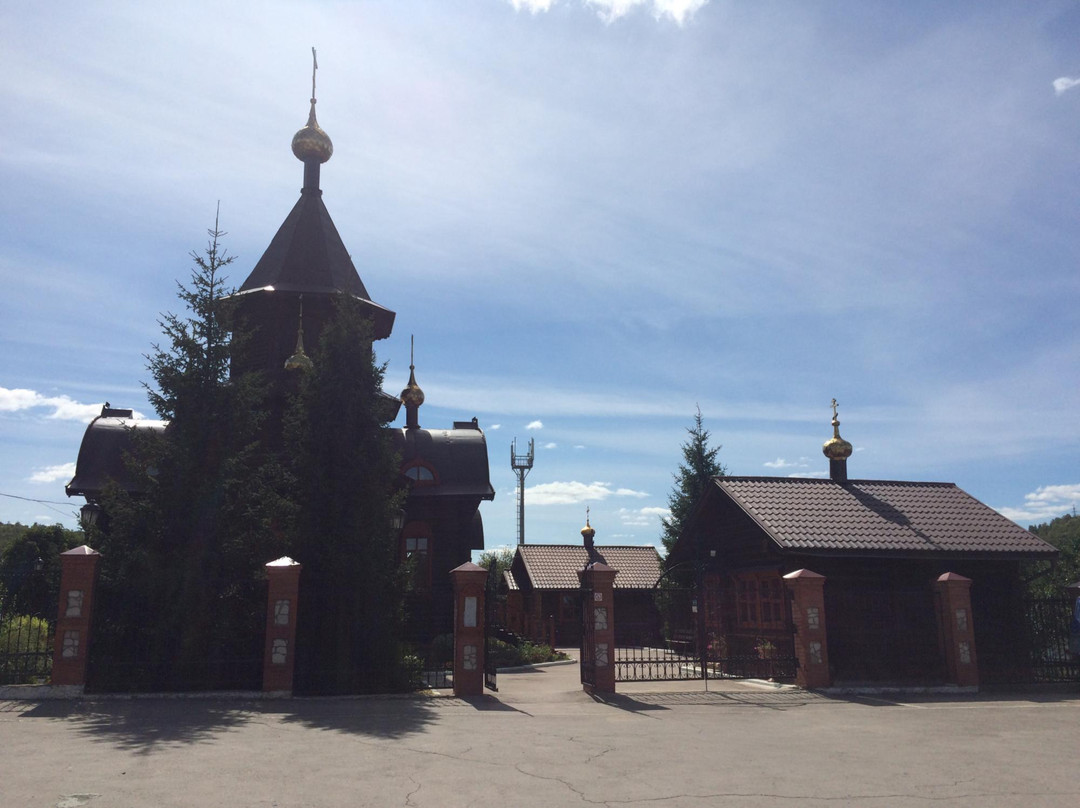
point(412, 396)
point(311, 145)
point(837, 450)
point(299, 360)
point(588, 533)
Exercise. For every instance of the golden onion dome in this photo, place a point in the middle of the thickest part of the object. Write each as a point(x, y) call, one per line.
point(311, 142)
point(412, 395)
point(836, 448)
point(299, 361)
point(588, 532)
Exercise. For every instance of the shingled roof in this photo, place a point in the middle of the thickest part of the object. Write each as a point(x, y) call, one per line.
point(555, 566)
point(878, 516)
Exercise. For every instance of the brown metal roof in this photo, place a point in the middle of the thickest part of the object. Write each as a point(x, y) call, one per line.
point(555, 566)
point(877, 515)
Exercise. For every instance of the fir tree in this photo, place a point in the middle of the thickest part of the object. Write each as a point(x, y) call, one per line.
point(698, 467)
point(346, 472)
point(182, 558)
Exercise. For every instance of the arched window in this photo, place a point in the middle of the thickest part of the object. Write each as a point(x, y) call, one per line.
point(419, 473)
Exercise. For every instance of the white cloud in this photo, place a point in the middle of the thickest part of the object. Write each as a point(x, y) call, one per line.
point(780, 463)
point(579, 446)
point(1045, 503)
point(678, 10)
point(610, 10)
point(51, 474)
point(551, 446)
point(493, 427)
point(814, 475)
point(63, 408)
point(1064, 84)
point(532, 6)
point(642, 517)
point(534, 425)
point(573, 493)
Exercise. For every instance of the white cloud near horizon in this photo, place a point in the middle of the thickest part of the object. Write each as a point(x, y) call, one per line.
point(64, 408)
point(780, 463)
point(1064, 84)
point(1044, 504)
point(532, 6)
point(642, 517)
point(573, 493)
point(551, 445)
point(50, 474)
point(534, 425)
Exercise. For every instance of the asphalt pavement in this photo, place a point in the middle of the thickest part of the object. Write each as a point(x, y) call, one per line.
point(541, 741)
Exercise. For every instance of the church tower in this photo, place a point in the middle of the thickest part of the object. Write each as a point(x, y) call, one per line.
point(292, 286)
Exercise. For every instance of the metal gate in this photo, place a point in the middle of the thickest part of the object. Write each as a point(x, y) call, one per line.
point(27, 622)
point(692, 638)
point(1025, 641)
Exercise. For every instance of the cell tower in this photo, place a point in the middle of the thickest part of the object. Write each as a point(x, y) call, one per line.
point(521, 465)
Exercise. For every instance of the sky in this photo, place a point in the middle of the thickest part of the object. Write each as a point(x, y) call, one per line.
point(595, 217)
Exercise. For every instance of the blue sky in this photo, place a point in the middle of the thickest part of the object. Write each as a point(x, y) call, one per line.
point(594, 215)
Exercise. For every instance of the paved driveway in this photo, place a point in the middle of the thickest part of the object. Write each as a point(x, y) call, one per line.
point(542, 742)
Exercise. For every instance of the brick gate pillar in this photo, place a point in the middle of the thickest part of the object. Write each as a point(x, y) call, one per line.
point(71, 649)
point(279, 654)
point(469, 590)
point(956, 629)
point(808, 616)
point(602, 613)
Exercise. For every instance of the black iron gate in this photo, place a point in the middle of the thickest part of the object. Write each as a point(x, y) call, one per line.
point(691, 639)
point(27, 622)
point(1025, 641)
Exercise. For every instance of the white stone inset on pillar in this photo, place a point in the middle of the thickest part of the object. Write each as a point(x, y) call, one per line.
point(600, 618)
point(71, 644)
point(813, 618)
point(281, 612)
point(601, 654)
point(469, 660)
point(74, 603)
point(965, 653)
point(815, 653)
point(961, 620)
point(470, 612)
point(279, 652)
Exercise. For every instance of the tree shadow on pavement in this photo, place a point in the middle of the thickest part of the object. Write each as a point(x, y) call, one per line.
point(144, 725)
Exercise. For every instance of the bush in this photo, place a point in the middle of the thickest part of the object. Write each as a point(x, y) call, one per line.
point(25, 652)
point(510, 656)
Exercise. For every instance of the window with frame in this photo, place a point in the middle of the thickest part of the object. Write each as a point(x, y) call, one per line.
point(759, 600)
point(419, 473)
point(417, 549)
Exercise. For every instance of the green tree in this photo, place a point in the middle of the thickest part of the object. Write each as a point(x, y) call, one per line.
point(1064, 534)
point(182, 558)
point(698, 467)
point(346, 472)
point(30, 569)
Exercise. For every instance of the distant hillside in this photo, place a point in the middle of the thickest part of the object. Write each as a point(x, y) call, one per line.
point(9, 532)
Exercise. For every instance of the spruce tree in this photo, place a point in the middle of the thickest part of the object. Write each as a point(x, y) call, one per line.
point(346, 472)
point(182, 558)
point(698, 467)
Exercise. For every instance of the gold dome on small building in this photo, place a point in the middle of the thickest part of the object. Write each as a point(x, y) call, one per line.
point(300, 360)
point(412, 395)
point(836, 448)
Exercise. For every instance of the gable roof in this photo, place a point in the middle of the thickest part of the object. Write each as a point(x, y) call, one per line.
point(555, 566)
point(877, 516)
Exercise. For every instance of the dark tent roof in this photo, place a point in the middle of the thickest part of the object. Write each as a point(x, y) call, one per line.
point(877, 516)
point(308, 256)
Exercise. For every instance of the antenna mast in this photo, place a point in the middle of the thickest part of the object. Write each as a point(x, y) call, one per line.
point(521, 464)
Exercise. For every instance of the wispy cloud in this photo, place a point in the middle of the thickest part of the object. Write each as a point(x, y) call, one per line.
point(1045, 503)
point(50, 474)
point(551, 445)
point(1064, 84)
point(534, 425)
point(573, 493)
point(780, 463)
point(532, 6)
point(493, 427)
point(59, 407)
point(678, 11)
point(814, 475)
point(643, 517)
